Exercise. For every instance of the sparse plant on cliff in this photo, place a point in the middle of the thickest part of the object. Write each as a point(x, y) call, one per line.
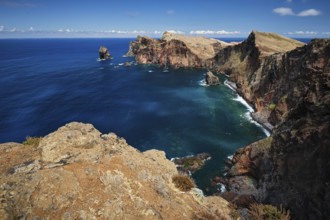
point(32, 141)
point(269, 212)
point(183, 182)
point(272, 106)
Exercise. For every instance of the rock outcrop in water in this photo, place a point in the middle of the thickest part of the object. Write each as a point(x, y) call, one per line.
point(176, 50)
point(79, 173)
point(104, 53)
point(211, 79)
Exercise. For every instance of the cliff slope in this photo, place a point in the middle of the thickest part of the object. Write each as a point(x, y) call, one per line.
point(79, 173)
point(293, 168)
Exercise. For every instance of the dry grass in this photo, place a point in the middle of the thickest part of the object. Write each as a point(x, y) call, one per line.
point(267, 212)
point(32, 141)
point(183, 182)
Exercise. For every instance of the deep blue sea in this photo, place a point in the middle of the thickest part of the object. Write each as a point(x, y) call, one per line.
point(46, 83)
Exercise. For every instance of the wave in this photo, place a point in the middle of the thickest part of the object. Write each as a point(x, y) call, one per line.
point(203, 83)
point(121, 64)
point(248, 114)
point(150, 71)
point(99, 60)
point(230, 85)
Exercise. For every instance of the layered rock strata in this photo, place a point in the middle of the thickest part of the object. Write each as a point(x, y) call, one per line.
point(79, 173)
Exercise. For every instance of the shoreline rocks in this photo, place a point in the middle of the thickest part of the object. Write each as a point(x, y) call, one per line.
point(211, 79)
point(191, 164)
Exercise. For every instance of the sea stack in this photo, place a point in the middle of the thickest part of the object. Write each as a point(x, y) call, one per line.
point(211, 79)
point(104, 53)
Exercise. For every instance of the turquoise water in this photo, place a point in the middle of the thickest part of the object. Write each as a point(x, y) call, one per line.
point(46, 83)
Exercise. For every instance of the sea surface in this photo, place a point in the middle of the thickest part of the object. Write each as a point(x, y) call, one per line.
point(46, 83)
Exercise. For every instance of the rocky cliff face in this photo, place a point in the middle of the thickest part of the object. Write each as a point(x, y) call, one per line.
point(251, 65)
point(293, 169)
point(79, 173)
point(176, 50)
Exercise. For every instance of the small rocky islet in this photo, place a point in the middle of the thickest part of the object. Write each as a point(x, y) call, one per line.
point(287, 83)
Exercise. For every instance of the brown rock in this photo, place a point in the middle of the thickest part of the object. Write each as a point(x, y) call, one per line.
point(211, 79)
point(78, 173)
point(104, 53)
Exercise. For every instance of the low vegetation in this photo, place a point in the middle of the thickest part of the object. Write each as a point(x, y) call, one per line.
point(32, 141)
point(272, 106)
point(269, 212)
point(183, 182)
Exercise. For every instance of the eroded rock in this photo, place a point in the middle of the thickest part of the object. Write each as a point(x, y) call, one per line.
point(78, 173)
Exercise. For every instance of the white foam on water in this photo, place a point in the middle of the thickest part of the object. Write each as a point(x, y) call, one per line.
point(248, 116)
point(150, 71)
point(120, 64)
point(226, 82)
point(230, 157)
point(222, 187)
point(203, 83)
point(99, 60)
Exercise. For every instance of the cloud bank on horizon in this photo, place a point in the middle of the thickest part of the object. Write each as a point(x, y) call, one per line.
point(84, 18)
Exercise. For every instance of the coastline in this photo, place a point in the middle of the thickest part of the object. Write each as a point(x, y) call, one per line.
point(266, 127)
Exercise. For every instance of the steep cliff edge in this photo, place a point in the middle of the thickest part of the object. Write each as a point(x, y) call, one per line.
point(293, 169)
point(249, 65)
point(176, 50)
point(78, 173)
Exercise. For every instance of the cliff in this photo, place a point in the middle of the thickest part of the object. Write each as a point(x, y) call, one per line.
point(292, 168)
point(250, 65)
point(176, 50)
point(79, 173)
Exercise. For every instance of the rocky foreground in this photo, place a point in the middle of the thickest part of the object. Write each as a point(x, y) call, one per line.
point(288, 83)
point(79, 173)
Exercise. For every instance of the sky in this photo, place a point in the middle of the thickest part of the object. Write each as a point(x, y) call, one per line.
point(128, 18)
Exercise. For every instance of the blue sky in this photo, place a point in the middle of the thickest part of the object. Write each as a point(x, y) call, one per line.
point(124, 18)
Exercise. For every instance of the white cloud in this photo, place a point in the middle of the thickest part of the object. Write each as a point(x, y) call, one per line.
point(283, 11)
point(170, 12)
point(13, 30)
point(326, 33)
point(303, 33)
point(31, 29)
point(288, 1)
point(288, 11)
point(309, 12)
point(2, 28)
point(175, 32)
point(211, 32)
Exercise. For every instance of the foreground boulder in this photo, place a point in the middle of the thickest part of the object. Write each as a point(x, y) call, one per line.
point(78, 173)
point(104, 53)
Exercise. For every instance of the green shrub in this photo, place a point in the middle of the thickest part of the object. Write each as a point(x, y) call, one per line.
point(272, 106)
point(183, 182)
point(267, 212)
point(32, 141)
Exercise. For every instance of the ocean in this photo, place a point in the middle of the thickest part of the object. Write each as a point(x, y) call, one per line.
point(46, 83)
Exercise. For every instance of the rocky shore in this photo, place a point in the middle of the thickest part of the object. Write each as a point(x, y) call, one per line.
point(287, 83)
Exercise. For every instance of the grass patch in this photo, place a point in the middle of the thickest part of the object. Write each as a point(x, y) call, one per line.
point(183, 182)
point(269, 212)
point(32, 141)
